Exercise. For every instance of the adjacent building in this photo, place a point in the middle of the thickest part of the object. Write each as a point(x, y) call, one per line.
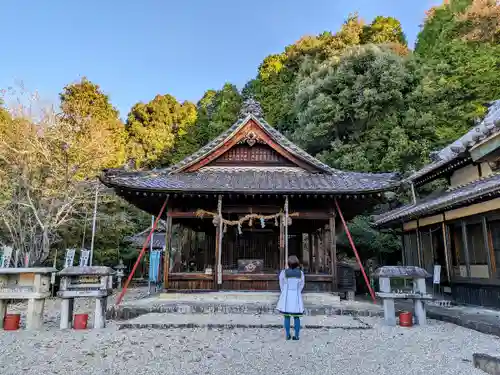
point(458, 227)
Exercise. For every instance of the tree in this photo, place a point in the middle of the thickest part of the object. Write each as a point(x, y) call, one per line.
point(480, 22)
point(83, 103)
point(217, 111)
point(355, 111)
point(44, 162)
point(383, 30)
point(155, 128)
point(459, 73)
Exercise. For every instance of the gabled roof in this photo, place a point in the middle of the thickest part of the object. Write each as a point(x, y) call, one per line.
point(194, 173)
point(457, 151)
point(451, 198)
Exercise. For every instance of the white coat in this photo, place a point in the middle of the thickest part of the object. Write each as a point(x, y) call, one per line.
point(291, 285)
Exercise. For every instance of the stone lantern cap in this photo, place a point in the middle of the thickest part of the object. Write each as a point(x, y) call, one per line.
point(13, 270)
point(120, 265)
point(87, 270)
point(407, 272)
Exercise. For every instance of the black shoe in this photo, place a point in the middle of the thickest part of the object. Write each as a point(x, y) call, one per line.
point(295, 338)
point(288, 337)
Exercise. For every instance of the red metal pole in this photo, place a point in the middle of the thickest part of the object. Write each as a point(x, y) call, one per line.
point(120, 297)
point(355, 251)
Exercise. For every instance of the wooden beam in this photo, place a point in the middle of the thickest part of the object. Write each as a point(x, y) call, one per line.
point(218, 243)
point(166, 254)
point(333, 252)
point(316, 252)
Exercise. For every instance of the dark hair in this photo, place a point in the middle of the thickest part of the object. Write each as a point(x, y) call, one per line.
point(293, 261)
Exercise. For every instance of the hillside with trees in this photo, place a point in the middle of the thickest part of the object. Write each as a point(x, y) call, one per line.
point(359, 99)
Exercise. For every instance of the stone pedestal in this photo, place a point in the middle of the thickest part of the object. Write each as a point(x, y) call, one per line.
point(32, 284)
point(88, 282)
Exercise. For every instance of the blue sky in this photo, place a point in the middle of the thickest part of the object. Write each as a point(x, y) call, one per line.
point(137, 49)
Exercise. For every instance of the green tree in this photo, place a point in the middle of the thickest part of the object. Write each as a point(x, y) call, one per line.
point(155, 128)
point(355, 111)
point(383, 30)
point(217, 111)
point(89, 111)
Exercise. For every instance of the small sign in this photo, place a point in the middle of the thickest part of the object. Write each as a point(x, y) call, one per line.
point(84, 258)
point(70, 258)
point(437, 274)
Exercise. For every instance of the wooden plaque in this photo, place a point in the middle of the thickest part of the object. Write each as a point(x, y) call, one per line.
point(250, 265)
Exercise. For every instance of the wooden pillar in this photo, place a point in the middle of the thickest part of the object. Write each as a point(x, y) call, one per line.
point(491, 269)
point(466, 248)
point(333, 252)
point(286, 231)
point(419, 246)
point(218, 244)
point(166, 255)
point(282, 243)
point(310, 247)
point(316, 252)
point(446, 236)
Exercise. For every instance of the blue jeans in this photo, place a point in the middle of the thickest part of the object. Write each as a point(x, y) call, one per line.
point(296, 325)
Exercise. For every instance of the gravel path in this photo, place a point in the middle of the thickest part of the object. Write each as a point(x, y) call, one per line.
point(439, 348)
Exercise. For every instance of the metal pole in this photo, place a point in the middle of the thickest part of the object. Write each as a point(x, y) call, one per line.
point(93, 226)
point(143, 250)
point(355, 251)
point(151, 251)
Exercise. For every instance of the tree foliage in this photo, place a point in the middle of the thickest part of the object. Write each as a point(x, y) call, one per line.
point(355, 111)
point(156, 128)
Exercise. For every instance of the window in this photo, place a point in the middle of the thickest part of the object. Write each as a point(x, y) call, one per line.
point(410, 248)
point(494, 239)
point(457, 249)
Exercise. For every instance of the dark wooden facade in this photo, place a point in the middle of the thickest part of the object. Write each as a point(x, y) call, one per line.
point(251, 169)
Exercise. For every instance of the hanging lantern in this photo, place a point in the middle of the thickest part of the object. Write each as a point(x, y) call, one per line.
point(262, 222)
point(276, 221)
point(250, 222)
point(239, 229)
point(225, 228)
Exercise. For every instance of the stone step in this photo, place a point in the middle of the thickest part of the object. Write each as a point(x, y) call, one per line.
point(141, 307)
point(234, 321)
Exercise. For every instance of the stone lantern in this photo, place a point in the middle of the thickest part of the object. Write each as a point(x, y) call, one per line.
point(120, 272)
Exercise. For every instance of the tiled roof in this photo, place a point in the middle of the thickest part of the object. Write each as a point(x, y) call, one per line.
point(452, 197)
point(488, 126)
point(253, 179)
point(256, 180)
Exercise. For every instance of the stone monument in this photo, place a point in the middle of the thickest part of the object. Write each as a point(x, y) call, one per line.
point(85, 282)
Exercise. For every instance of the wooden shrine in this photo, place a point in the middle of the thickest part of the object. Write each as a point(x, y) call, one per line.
point(250, 198)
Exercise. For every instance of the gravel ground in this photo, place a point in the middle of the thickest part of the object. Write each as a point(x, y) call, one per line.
point(439, 348)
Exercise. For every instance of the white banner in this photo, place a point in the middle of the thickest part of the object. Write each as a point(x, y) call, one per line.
point(84, 258)
point(437, 274)
point(70, 258)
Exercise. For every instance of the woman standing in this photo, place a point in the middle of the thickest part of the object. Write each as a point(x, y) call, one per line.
point(290, 303)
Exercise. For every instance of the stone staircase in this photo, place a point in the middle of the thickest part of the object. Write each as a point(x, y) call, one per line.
point(229, 310)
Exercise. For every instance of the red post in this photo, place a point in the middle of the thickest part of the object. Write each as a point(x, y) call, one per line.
point(348, 233)
point(120, 297)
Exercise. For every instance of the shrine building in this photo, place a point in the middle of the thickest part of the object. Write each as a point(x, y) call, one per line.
point(243, 203)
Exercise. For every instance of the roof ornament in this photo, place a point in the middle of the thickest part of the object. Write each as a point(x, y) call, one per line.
point(251, 107)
